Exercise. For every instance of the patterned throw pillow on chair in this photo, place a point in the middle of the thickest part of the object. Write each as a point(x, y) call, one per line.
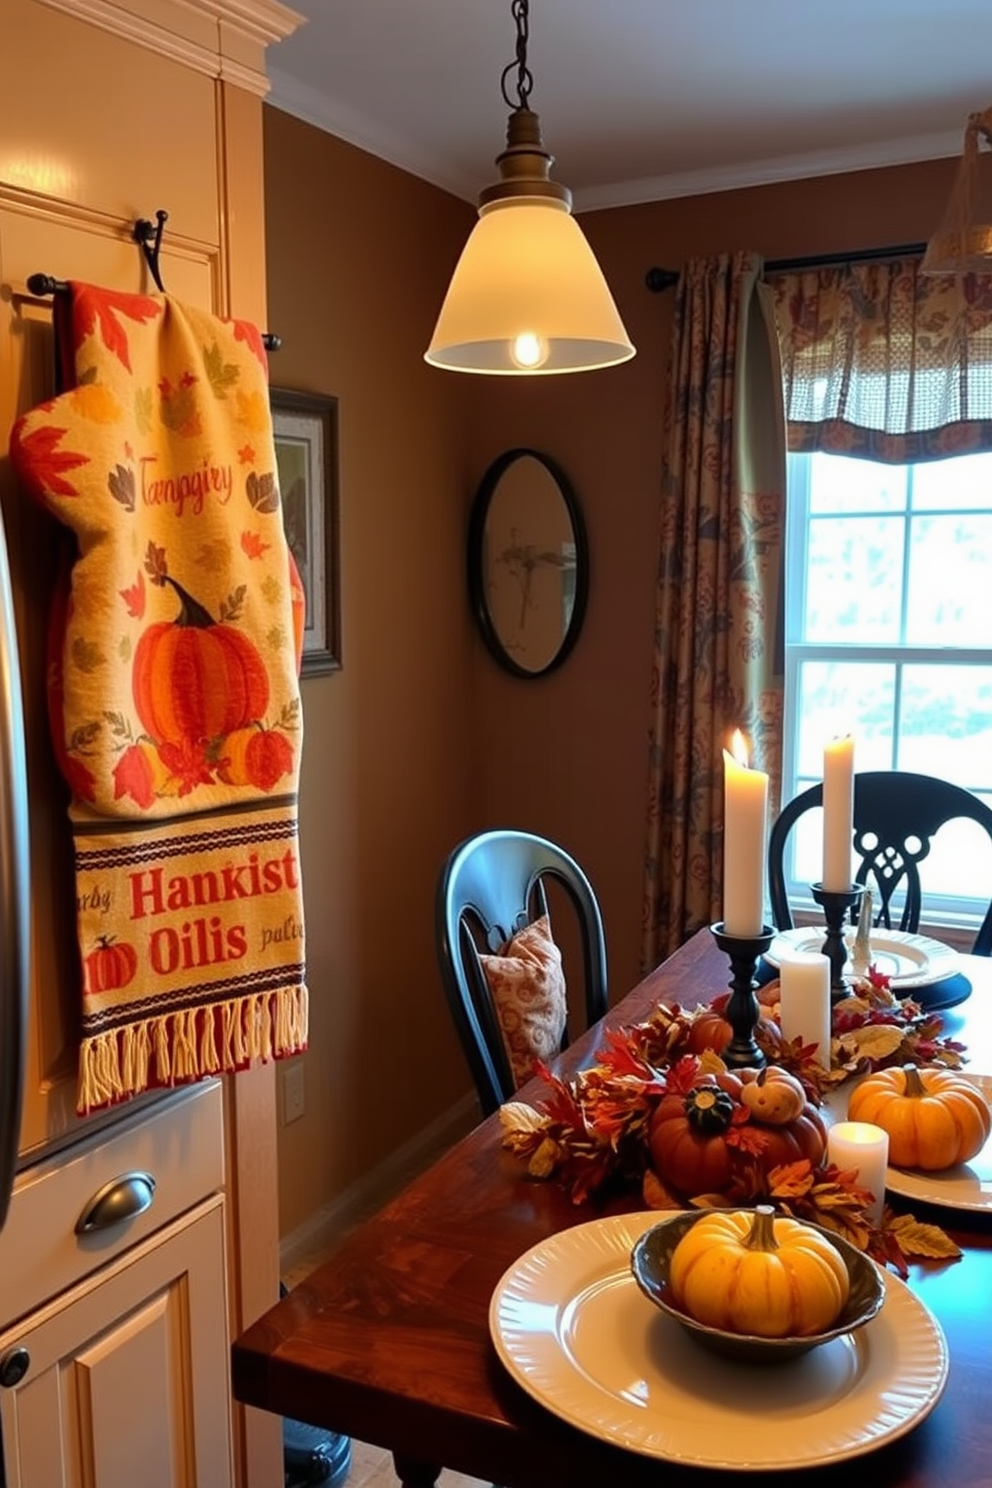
point(528, 987)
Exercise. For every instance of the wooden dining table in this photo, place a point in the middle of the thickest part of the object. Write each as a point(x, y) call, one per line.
point(389, 1340)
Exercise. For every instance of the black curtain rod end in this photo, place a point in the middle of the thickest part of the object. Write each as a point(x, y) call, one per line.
point(658, 280)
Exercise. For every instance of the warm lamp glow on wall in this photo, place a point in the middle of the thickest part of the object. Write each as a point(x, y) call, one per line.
point(527, 296)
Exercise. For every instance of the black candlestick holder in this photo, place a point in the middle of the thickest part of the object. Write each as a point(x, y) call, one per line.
point(742, 1011)
point(837, 905)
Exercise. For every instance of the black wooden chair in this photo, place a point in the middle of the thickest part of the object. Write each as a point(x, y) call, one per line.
point(896, 814)
point(490, 887)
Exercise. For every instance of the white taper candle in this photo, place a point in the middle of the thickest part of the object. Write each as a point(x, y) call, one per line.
point(838, 813)
point(744, 825)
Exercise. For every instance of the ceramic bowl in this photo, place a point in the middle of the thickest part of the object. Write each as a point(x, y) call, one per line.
point(651, 1260)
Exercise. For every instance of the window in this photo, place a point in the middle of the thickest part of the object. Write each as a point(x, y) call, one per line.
point(888, 630)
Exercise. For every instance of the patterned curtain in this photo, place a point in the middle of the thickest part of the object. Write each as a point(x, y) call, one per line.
point(883, 361)
point(718, 653)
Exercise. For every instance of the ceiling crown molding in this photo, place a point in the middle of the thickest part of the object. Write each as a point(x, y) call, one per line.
point(221, 38)
point(875, 156)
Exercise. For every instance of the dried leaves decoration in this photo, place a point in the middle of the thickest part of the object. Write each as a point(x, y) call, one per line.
point(591, 1131)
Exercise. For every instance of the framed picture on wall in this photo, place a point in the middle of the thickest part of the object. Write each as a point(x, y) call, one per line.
point(305, 427)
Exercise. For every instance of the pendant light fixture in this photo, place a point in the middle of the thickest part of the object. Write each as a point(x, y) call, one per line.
point(527, 296)
point(963, 242)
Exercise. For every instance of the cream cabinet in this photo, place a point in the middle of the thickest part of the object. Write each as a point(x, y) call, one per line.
point(124, 1380)
point(111, 110)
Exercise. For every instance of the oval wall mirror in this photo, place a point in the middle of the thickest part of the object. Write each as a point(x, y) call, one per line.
point(528, 563)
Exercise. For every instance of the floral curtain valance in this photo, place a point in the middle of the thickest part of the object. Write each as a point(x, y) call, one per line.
point(882, 361)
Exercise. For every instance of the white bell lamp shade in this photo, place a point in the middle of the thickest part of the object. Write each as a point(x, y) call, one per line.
point(527, 297)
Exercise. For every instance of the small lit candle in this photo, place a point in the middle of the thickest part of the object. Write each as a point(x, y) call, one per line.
point(859, 1145)
point(804, 1001)
point(838, 813)
point(745, 814)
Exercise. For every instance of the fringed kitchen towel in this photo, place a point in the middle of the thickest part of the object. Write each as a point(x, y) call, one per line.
point(173, 690)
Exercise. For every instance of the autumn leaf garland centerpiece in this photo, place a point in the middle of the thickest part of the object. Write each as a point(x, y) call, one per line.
point(173, 690)
point(660, 1114)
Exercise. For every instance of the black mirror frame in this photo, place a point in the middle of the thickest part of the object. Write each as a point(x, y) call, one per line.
point(476, 577)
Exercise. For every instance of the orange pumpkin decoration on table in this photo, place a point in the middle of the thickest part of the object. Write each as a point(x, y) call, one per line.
point(934, 1118)
point(193, 678)
point(687, 1133)
point(711, 1030)
point(687, 1137)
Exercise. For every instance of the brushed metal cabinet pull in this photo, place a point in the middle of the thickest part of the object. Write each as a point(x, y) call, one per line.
point(14, 1366)
point(121, 1198)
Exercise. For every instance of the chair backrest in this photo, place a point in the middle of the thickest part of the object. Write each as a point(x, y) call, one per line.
point(490, 887)
point(896, 814)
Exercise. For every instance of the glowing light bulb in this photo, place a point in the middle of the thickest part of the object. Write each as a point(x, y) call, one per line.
point(529, 350)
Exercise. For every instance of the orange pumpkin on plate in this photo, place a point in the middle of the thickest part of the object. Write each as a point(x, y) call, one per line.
point(934, 1118)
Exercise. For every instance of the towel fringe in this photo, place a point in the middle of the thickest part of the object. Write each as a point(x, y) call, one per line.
point(191, 1044)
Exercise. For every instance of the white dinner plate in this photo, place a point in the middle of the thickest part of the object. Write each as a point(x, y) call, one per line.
point(910, 960)
point(967, 1186)
point(574, 1329)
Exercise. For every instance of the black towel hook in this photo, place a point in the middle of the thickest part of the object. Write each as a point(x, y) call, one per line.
point(149, 235)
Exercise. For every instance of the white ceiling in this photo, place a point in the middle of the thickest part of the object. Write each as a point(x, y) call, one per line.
point(643, 99)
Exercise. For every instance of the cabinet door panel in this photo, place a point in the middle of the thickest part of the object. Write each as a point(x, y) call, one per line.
point(94, 120)
point(128, 1380)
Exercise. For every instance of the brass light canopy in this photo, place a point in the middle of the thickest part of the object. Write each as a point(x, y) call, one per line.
point(527, 297)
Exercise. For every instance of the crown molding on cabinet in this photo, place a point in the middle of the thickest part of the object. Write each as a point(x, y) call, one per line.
point(223, 38)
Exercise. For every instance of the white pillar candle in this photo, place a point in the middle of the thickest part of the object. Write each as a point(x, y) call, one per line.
point(745, 813)
point(838, 813)
point(804, 1000)
point(859, 1145)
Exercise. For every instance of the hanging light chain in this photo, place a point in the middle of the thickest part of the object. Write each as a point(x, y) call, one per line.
point(520, 10)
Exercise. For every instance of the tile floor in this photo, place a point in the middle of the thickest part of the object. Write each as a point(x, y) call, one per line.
point(372, 1467)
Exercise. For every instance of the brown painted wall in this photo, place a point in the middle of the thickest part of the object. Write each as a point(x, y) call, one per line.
point(358, 254)
point(421, 738)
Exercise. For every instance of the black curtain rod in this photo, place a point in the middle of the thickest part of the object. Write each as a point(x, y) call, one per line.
point(661, 279)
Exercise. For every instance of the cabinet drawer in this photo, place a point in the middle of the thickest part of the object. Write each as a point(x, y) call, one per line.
point(179, 1142)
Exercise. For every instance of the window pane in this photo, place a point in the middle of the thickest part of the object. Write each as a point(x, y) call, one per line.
point(844, 697)
point(884, 560)
point(947, 723)
point(950, 582)
point(962, 482)
point(959, 864)
point(806, 840)
point(838, 484)
point(854, 579)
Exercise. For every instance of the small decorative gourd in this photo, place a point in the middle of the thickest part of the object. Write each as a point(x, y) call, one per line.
point(755, 1272)
point(773, 1096)
point(934, 1118)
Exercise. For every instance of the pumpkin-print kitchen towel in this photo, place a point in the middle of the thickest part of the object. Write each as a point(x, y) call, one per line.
point(174, 690)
